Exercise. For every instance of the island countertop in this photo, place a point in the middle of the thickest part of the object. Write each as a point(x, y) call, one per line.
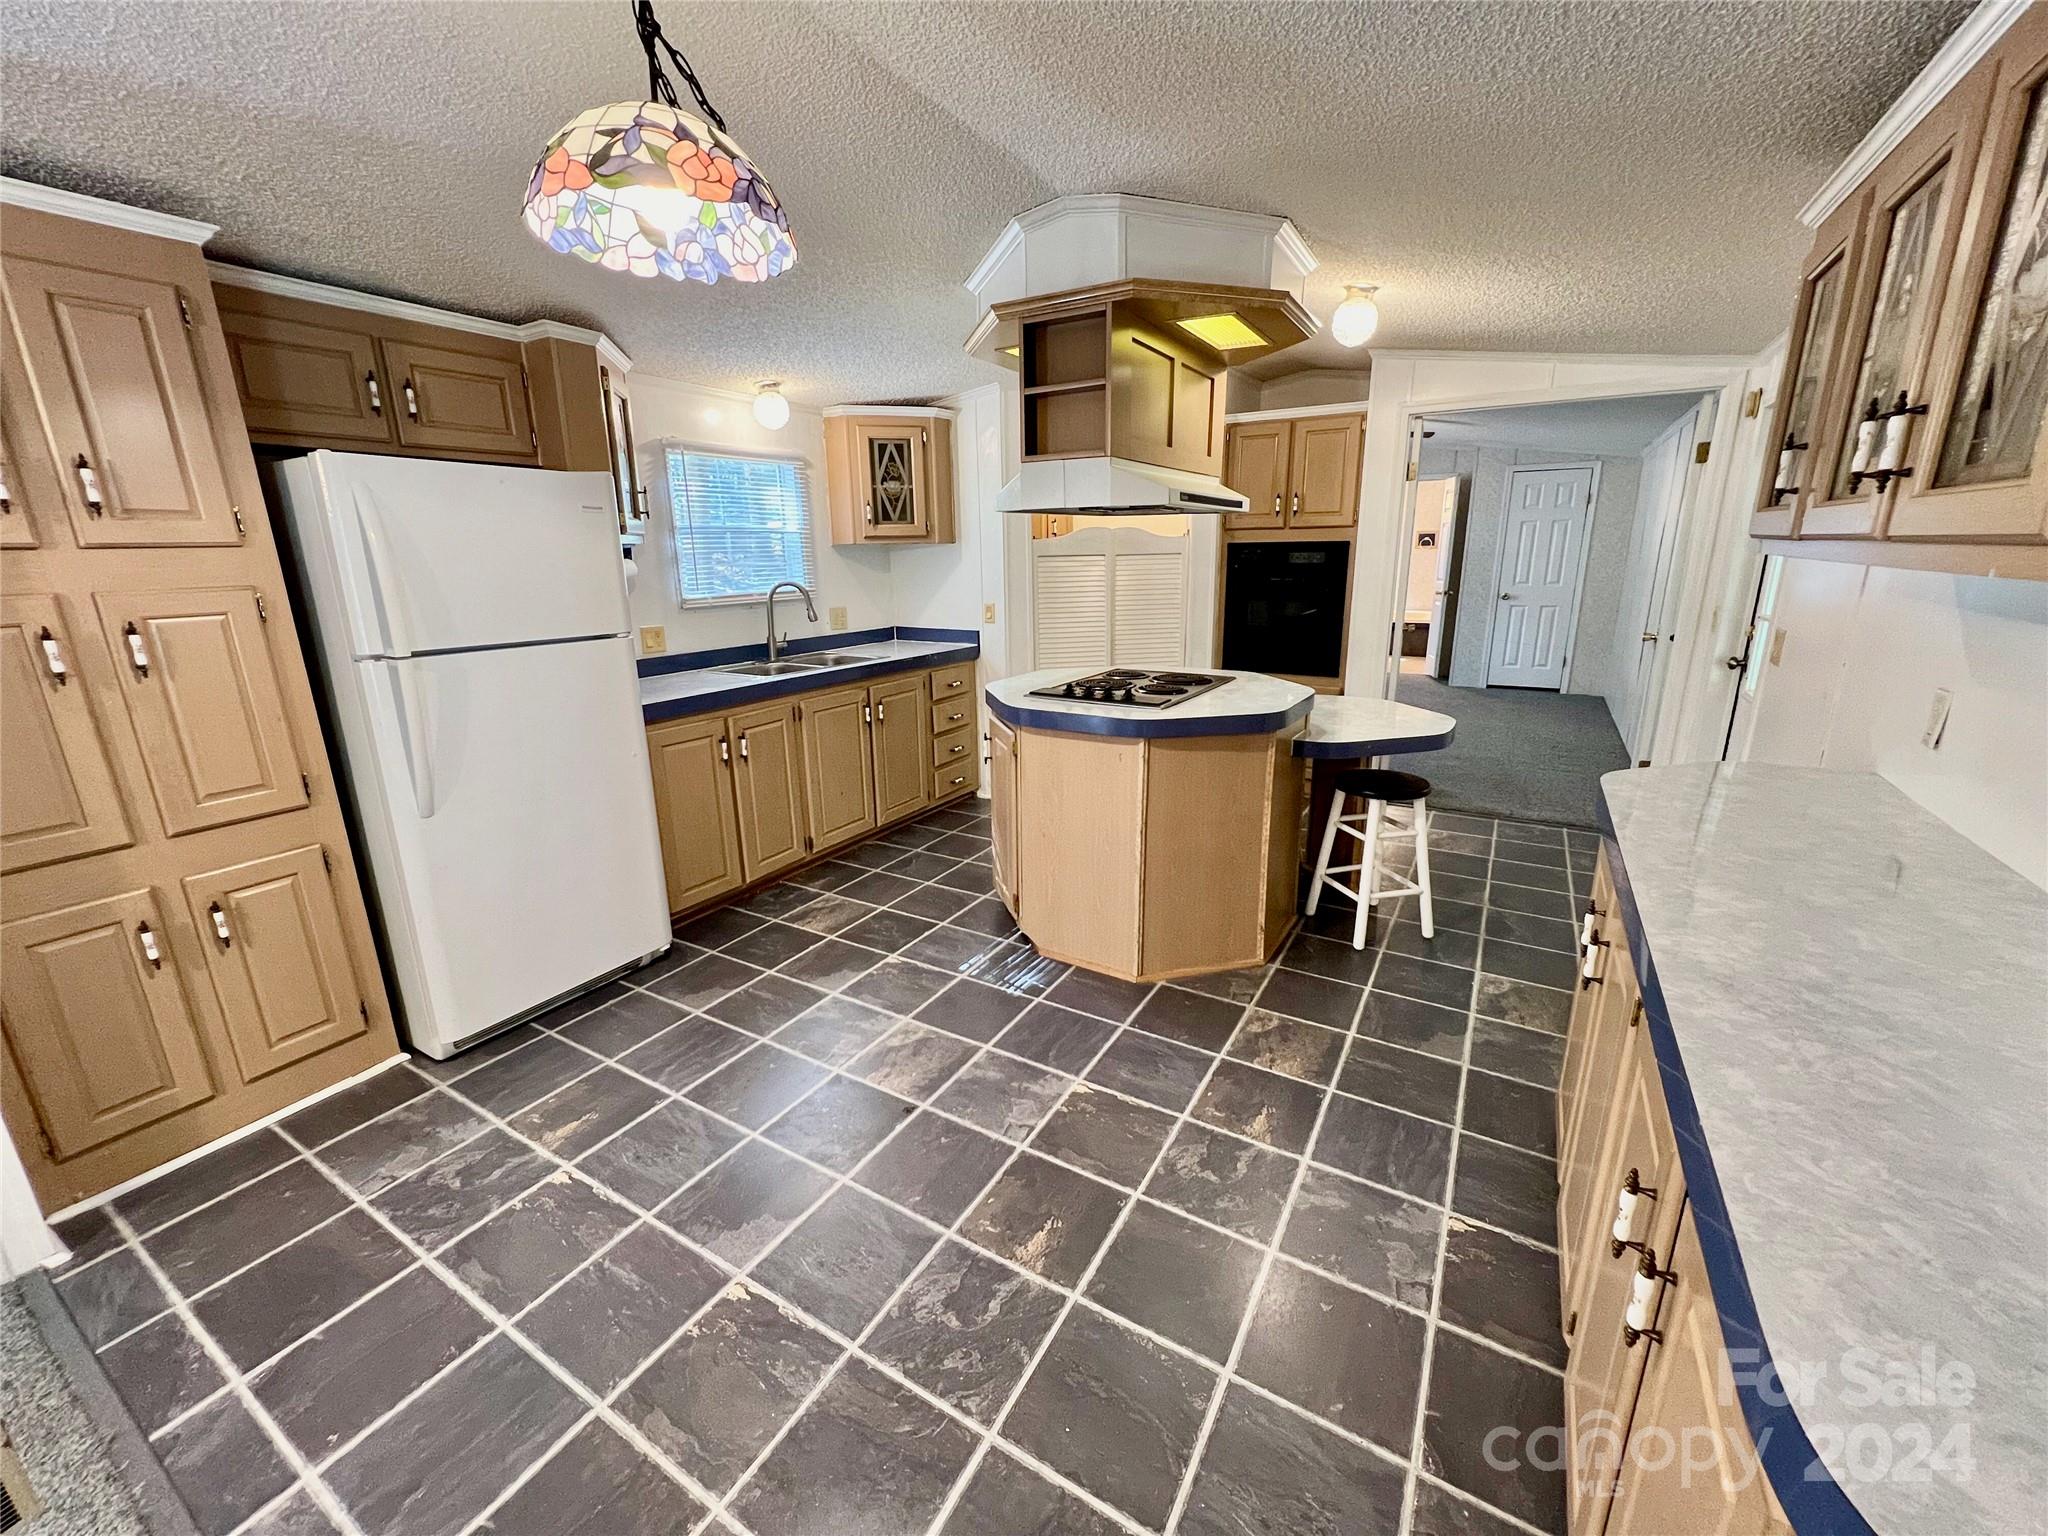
point(1847, 1002)
point(1250, 704)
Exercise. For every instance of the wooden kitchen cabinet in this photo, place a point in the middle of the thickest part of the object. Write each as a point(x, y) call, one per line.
point(899, 709)
point(889, 474)
point(1300, 472)
point(468, 399)
point(61, 801)
point(695, 806)
point(299, 378)
point(272, 933)
point(31, 491)
point(1002, 796)
point(1606, 1013)
point(768, 788)
point(839, 767)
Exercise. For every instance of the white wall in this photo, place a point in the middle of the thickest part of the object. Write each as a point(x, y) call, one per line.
point(25, 1241)
point(853, 578)
point(1294, 391)
point(1485, 468)
point(943, 586)
point(1864, 649)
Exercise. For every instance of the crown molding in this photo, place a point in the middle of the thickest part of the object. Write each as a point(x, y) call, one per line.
point(1955, 59)
point(1293, 413)
point(99, 210)
point(1276, 227)
point(925, 412)
point(423, 314)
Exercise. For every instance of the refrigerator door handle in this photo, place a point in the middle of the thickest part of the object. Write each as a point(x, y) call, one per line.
point(397, 639)
point(412, 733)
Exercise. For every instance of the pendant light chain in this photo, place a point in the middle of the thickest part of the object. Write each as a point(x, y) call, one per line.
point(658, 86)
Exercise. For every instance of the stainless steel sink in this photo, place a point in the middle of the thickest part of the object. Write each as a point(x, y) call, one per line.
point(772, 668)
point(832, 659)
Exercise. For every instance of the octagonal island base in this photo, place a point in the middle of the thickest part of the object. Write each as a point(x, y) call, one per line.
point(1148, 844)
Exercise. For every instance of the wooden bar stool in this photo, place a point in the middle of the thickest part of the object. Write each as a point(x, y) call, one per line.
point(1395, 809)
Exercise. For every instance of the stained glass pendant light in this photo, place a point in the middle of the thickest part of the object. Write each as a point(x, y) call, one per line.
point(648, 188)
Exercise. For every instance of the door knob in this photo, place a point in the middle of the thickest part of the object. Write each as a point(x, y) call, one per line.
point(1507, 597)
point(1733, 663)
point(1649, 637)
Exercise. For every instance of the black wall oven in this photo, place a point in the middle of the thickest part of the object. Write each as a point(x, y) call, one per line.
point(1283, 607)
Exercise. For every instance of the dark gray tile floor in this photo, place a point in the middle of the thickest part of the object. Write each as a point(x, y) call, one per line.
point(853, 1214)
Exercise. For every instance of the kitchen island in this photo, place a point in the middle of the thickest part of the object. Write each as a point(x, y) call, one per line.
point(1147, 842)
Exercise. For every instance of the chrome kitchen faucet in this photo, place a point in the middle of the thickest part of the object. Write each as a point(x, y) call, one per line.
point(810, 612)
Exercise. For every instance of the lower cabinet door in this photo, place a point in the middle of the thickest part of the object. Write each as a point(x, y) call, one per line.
point(280, 967)
point(899, 736)
point(98, 1020)
point(1002, 803)
point(768, 788)
point(58, 799)
point(693, 802)
point(839, 775)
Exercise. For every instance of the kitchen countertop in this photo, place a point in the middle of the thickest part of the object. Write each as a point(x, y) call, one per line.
point(1250, 704)
point(1351, 726)
point(671, 695)
point(1847, 999)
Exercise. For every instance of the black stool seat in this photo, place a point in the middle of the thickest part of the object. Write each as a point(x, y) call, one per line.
point(1383, 784)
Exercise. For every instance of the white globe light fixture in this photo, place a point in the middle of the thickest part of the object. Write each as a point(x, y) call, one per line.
point(1357, 317)
point(771, 410)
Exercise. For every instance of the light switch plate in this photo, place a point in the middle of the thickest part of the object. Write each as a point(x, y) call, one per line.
point(1937, 719)
point(653, 639)
point(1777, 646)
point(988, 613)
point(838, 617)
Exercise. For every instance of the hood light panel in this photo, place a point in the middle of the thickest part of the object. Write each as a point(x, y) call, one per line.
point(1226, 332)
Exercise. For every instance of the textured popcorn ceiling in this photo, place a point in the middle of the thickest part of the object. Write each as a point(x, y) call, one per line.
point(1520, 176)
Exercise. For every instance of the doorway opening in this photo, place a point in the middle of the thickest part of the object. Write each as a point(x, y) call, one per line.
point(1540, 622)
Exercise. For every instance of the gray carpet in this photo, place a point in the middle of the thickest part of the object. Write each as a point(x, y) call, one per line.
point(72, 1465)
point(1518, 753)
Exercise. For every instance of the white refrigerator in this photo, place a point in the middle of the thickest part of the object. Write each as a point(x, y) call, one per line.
point(472, 632)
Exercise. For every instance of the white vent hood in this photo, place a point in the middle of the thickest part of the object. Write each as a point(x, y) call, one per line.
point(1075, 245)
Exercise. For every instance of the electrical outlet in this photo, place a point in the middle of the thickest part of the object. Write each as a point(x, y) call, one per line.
point(837, 616)
point(1937, 720)
point(653, 639)
point(988, 613)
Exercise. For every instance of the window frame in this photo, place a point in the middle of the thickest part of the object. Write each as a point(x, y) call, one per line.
point(671, 479)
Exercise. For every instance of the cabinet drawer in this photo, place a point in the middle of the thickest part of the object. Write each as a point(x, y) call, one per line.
point(953, 682)
point(953, 747)
point(952, 714)
point(961, 773)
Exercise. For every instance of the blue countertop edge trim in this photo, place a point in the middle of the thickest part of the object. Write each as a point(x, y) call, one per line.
point(1814, 1505)
point(727, 655)
point(1354, 751)
point(1164, 727)
point(760, 690)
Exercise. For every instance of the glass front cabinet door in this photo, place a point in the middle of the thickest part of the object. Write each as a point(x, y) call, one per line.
point(1983, 471)
point(1877, 419)
point(895, 494)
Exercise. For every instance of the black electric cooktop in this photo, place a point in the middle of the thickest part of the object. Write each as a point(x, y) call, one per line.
point(1126, 685)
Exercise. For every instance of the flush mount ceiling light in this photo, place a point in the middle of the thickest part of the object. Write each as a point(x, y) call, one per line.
point(1357, 317)
point(647, 188)
point(771, 410)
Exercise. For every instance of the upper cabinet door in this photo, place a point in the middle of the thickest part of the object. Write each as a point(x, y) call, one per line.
point(99, 1022)
point(1909, 237)
point(1256, 459)
point(891, 460)
point(31, 495)
point(58, 798)
point(1981, 471)
point(1810, 371)
point(462, 401)
point(204, 698)
point(1323, 479)
point(121, 396)
point(280, 967)
point(297, 380)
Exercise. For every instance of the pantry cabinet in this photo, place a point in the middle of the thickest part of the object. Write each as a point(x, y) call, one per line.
point(747, 795)
point(1912, 420)
point(1299, 472)
point(889, 474)
point(184, 946)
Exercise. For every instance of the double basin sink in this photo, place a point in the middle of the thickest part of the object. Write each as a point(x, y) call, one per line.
point(788, 665)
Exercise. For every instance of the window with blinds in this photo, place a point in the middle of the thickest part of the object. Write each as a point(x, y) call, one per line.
point(742, 523)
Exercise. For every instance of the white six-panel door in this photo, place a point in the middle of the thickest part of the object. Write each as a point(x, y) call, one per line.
point(1543, 540)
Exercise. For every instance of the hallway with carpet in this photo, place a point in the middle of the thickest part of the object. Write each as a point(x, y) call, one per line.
point(1520, 753)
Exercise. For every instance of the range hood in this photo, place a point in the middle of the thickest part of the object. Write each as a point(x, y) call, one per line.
point(1121, 317)
point(1109, 487)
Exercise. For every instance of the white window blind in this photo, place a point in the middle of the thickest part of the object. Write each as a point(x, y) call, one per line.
point(742, 523)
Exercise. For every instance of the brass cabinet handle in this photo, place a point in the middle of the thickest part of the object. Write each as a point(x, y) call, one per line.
point(89, 483)
point(412, 401)
point(724, 749)
point(743, 748)
point(220, 924)
point(869, 508)
point(6, 501)
point(958, 747)
point(1276, 503)
point(138, 658)
point(882, 712)
point(376, 395)
point(1294, 506)
point(150, 952)
point(867, 713)
point(957, 682)
point(959, 779)
point(53, 658)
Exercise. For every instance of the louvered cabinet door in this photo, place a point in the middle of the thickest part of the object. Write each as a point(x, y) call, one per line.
point(203, 694)
point(58, 798)
point(275, 952)
point(98, 1020)
point(119, 390)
